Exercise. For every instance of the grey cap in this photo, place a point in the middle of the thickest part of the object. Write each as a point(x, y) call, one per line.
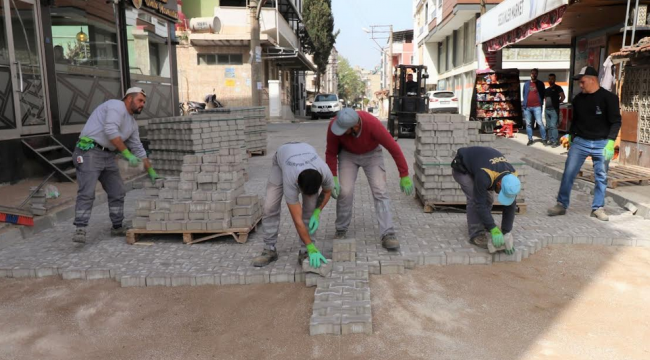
point(345, 119)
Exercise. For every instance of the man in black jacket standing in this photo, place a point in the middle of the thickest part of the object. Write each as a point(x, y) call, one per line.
point(595, 126)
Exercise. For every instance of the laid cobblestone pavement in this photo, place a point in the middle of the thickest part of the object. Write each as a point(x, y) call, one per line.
point(426, 239)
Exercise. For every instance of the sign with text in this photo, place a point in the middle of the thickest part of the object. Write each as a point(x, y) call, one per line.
point(157, 5)
point(511, 14)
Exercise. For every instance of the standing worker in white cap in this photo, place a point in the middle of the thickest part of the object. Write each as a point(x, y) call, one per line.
point(355, 140)
point(480, 170)
point(110, 128)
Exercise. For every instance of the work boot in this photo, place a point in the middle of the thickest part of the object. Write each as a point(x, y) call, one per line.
point(302, 255)
point(480, 241)
point(390, 242)
point(600, 214)
point(530, 142)
point(266, 258)
point(120, 231)
point(556, 210)
point(340, 234)
point(79, 236)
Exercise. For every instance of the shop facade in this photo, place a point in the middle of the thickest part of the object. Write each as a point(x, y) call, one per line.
point(60, 59)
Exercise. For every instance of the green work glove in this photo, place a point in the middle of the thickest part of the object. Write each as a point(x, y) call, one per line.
point(314, 222)
point(152, 175)
point(132, 159)
point(85, 143)
point(510, 251)
point(315, 257)
point(608, 151)
point(337, 188)
point(497, 237)
point(406, 185)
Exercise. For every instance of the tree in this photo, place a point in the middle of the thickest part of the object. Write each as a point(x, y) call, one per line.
point(351, 87)
point(317, 35)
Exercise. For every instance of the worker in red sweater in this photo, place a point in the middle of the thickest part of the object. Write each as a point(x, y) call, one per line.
point(353, 141)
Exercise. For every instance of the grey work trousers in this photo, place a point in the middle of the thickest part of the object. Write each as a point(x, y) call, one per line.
point(98, 165)
point(475, 226)
point(372, 163)
point(273, 207)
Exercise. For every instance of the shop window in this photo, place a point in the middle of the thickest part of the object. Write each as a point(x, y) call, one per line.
point(219, 59)
point(148, 44)
point(86, 61)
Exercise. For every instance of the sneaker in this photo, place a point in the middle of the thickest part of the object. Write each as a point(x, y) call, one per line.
point(600, 214)
point(480, 241)
point(390, 242)
point(79, 236)
point(546, 142)
point(120, 231)
point(556, 210)
point(340, 234)
point(266, 258)
point(301, 257)
point(530, 142)
point(555, 144)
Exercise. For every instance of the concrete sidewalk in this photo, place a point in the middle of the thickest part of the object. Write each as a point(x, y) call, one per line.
point(551, 161)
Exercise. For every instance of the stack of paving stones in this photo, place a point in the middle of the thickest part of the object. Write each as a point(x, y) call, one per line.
point(170, 139)
point(38, 202)
point(342, 300)
point(256, 127)
point(438, 137)
point(208, 196)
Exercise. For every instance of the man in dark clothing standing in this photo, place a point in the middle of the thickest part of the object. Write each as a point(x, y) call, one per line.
point(595, 126)
point(554, 97)
point(480, 170)
point(531, 105)
point(411, 86)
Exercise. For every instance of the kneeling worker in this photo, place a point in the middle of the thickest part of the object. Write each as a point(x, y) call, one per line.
point(297, 169)
point(480, 170)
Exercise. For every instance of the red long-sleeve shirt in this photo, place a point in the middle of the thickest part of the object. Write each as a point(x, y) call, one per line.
point(373, 134)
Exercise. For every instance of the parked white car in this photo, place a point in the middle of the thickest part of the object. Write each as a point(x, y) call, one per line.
point(325, 106)
point(442, 102)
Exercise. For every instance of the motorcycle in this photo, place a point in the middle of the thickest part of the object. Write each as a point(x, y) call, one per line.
point(194, 107)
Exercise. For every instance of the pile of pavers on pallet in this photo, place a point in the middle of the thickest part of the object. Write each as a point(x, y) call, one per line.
point(208, 196)
point(256, 127)
point(438, 136)
point(170, 139)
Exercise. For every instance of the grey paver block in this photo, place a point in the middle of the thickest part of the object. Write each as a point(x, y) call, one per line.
point(133, 281)
point(392, 267)
point(282, 276)
point(325, 325)
point(311, 279)
point(43, 272)
point(183, 280)
point(206, 279)
point(356, 324)
point(258, 276)
point(96, 274)
point(70, 274)
point(324, 270)
point(158, 280)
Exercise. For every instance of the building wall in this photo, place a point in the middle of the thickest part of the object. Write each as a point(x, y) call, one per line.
point(199, 8)
point(231, 83)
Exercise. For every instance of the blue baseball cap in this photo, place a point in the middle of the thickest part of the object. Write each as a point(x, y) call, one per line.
point(345, 119)
point(510, 187)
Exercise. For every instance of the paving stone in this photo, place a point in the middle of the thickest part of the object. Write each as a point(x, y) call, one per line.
point(96, 274)
point(325, 325)
point(324, 270)
point(392, 267)
point(282, 276)
point(356, 324)
point(133, 281)
point(183, 280)
point(206, 279)
point(71, 274)
point(43, 272)
point(158, 280)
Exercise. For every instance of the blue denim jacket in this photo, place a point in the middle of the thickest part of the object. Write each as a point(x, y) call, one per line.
point(540, 91)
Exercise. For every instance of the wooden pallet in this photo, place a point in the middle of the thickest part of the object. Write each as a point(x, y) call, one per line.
point(621, 174)
point(431, 206)
point(195, 236)
point(260, 152)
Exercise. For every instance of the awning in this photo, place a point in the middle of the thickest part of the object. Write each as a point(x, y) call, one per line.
point(202, 39)
point(289, 58)
point(514, 20)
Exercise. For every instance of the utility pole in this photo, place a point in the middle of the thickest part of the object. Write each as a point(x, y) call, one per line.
point(390, 59)
point(483, 9)
point(255, 7)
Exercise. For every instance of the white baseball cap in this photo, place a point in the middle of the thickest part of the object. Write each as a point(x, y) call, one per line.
point(134, 90)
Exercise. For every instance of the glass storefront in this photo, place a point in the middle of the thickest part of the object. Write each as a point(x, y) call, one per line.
point(86, 57)
point(148, 39)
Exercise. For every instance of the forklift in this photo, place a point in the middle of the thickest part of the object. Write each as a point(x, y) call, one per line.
point(407, 100)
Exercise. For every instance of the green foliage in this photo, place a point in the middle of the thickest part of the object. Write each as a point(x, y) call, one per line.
point(317, 35)
point(351, 87)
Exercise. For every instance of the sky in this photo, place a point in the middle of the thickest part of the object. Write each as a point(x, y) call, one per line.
point(351, 16)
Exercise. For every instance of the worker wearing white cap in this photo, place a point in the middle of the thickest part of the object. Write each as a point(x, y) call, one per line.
point(110, 128)
point(355, 140)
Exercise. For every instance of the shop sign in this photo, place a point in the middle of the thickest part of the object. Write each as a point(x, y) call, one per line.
point(158, 6)
point(230, 83)
point(511, 14)
point(230, 73)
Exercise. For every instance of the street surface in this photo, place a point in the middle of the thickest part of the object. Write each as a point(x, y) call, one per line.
point(590, 294)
